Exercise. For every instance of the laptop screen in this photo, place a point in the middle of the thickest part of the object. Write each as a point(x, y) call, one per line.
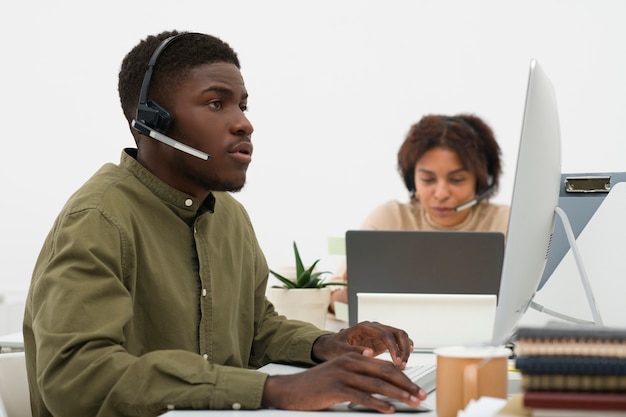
point(427, 262)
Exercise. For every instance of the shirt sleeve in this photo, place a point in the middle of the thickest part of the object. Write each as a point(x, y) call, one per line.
point(387, 216)
point(80, 310)
point(277, 339)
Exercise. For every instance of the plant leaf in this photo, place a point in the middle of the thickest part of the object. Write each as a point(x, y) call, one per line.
point(312, 267)
point(299, 264)
point(305, 278)
point(288, 283)
point(313, 283)
point(326, 284)
point(318, 274)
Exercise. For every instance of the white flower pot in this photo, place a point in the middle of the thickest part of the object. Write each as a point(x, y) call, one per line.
point(306, 304)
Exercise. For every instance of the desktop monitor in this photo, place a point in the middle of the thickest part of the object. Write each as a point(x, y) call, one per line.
point(535, 196)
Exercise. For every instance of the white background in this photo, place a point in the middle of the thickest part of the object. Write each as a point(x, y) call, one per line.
point(334, 86)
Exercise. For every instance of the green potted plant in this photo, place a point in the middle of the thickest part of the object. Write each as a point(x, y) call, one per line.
point(304, 277)
point(303, 295)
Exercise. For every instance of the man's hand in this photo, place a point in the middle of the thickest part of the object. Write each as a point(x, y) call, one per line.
point(351, 377)
point(368, 339)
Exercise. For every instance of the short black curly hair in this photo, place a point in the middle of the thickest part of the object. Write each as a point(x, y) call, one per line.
point(466, 134)
point(174, 63)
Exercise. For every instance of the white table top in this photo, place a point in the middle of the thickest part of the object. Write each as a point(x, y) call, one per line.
point(337, 410)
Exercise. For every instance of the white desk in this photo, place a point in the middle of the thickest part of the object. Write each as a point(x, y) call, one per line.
point(15, 340)
point(284, 413)
point(338, 410)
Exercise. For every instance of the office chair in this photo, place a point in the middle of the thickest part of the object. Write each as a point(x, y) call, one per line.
point(14, 394)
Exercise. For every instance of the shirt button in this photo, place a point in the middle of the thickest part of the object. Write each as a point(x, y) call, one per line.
point(189, 202)
point(205, 356)
point(204, 292)
point(236, 406)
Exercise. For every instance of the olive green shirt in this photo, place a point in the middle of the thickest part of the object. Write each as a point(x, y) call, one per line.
point(144, 299)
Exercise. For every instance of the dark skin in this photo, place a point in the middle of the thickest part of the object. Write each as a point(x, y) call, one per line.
point(209, 108)
point(350, 372)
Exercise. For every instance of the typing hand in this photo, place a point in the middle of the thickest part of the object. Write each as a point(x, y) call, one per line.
point(368, 339)
point(351, 377)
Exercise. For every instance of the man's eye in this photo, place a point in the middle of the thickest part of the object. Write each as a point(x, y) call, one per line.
point(457, 180)
point(243, 107)
point(427, 180)
point(215, 104)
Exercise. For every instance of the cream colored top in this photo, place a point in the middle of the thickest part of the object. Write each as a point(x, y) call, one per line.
point(393, 215)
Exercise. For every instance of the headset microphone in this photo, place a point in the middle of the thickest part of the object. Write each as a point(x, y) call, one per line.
point(475, 200)
point(153, 120)
point(141, 127)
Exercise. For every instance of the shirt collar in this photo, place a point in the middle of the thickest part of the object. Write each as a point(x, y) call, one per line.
point(183, 204)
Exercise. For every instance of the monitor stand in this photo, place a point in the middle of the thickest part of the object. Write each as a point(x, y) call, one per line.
point(597, 319)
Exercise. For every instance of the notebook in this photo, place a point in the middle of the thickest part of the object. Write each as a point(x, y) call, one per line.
point(433, 320)
point(425, 262)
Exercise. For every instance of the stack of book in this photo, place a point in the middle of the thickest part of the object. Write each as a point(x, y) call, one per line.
point(572, 370)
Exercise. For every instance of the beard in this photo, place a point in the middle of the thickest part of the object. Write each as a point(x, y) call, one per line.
point(215, 182)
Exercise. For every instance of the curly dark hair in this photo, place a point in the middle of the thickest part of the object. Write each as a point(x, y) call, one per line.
point(174, 63)
point(466, 134)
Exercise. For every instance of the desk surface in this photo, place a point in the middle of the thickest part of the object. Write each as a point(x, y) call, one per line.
point(285, 413)
point(337, 410)
point(15, 341)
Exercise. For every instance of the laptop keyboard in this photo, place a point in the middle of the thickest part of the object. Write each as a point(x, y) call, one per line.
point(423, 375)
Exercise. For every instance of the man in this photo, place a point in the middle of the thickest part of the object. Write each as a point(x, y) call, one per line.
point(149, 292)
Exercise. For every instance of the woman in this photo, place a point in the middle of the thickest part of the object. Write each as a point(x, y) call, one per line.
point(451, 166)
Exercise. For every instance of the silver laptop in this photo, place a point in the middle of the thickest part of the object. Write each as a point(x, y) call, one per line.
point(433, 320)
point(422, 262)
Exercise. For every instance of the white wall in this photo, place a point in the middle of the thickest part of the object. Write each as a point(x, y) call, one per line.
point(334, 86)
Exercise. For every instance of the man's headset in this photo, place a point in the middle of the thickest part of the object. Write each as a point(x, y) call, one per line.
point(152, 119)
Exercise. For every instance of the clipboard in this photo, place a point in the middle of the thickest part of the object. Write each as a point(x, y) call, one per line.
point(580, 197)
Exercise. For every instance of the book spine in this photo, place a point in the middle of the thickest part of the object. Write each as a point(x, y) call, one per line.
point(570, 347)
point(578, 333)
point(587, 365)
point(574, 400)
point(547, 382)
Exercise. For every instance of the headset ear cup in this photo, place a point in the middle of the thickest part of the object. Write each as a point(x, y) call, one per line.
point(154, 116)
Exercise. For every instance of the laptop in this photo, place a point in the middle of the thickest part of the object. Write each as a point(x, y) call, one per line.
point(433, 320)
point(422, 262)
